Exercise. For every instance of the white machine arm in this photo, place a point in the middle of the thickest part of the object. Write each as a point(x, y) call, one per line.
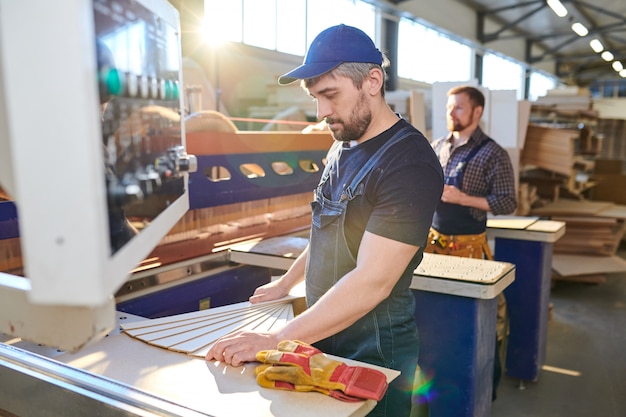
point(67, 328)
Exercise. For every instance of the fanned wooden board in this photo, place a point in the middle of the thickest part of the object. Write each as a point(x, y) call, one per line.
point(194, 333)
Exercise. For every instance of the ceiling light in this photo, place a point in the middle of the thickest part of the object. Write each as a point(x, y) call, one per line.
point(596, 45)
point(557, 7)
point(622, 73)
point(617, 66)
point(580, 29)
point(607, 56)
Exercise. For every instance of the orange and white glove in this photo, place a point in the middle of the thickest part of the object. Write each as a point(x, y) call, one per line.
point(309, 369)
point(288, 386)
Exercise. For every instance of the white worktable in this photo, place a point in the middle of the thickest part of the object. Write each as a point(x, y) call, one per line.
point(211, 388)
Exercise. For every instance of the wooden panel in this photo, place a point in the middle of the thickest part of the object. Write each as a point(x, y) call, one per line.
point(503, 116)
point(193, 333)
point(572, 265)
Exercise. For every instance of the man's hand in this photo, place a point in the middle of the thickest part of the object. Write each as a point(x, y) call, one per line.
point(452, 195)
point(269, 292)
point(237, 348)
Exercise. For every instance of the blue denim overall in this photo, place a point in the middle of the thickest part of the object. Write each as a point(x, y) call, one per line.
point(454, 219)
point(386, 336)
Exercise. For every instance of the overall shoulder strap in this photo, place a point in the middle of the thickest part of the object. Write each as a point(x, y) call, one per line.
point(365, 169)
point(332, 155)
point(476, 149)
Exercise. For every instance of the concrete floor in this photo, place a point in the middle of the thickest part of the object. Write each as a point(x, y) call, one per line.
point(586, 335)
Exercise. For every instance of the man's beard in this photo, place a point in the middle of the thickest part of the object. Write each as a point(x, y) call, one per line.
point(459, 126)
point(355, 127)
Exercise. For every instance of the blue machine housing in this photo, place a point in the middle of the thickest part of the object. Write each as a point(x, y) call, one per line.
point(240, 188)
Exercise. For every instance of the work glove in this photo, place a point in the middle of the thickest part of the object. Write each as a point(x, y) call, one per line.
point(303, 365)
point(288, 386)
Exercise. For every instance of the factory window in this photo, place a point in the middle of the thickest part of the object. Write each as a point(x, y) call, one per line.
point(222, 21)
point(420, 57)
point(291, 18)
point(350, 12)
point(283, 25)
point(308, 166)
point(429, 56)
point(503, 74)
point(539, 85)
point(259, 23)
point(282, 168)
point(217, 173)
point(252, 170)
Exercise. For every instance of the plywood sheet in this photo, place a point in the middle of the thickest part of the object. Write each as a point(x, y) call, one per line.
point(571, 265)
point(618, 211)
point(565, 207)
point(522, 122)
point(418, 110)
point(548, 226)
point(456, 268)
point(511, 223)
point(503, 116)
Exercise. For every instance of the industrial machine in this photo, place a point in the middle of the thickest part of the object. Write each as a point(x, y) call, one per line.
point(104, 215)
point(120, 202)
point(91, 129)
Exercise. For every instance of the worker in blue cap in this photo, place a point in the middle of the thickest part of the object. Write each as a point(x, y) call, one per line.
point(371, 214)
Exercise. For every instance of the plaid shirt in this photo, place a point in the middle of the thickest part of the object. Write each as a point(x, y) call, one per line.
point(488, 174)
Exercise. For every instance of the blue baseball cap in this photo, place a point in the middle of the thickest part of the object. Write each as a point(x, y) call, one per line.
point(332, 47)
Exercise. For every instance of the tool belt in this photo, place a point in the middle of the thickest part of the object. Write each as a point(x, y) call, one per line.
point(466, 246)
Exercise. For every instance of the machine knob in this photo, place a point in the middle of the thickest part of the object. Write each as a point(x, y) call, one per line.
point(188, 163)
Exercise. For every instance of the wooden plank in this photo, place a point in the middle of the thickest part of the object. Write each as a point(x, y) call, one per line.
point(194, 331)
point(417, 110)
point(587, 279)
point(572, 207)
point(569, 265)
point(523, 114)
point(617, 211)
point(511, 223)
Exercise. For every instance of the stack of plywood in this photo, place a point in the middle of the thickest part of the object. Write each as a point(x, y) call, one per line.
point(590, 235)
point(566, 99)
point(593, 232)
point(550, 148)
point(555, 153)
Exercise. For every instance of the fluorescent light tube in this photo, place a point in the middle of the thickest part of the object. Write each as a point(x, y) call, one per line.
point(580, 29)
point(607, 56)
point(596, 45)
point(557, 7)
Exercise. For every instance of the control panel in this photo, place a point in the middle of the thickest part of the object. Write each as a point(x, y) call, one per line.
point(138, 65)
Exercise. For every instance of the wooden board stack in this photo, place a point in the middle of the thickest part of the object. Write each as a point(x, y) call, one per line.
point(593, 233)
point(550, 148)
point(558, 159)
